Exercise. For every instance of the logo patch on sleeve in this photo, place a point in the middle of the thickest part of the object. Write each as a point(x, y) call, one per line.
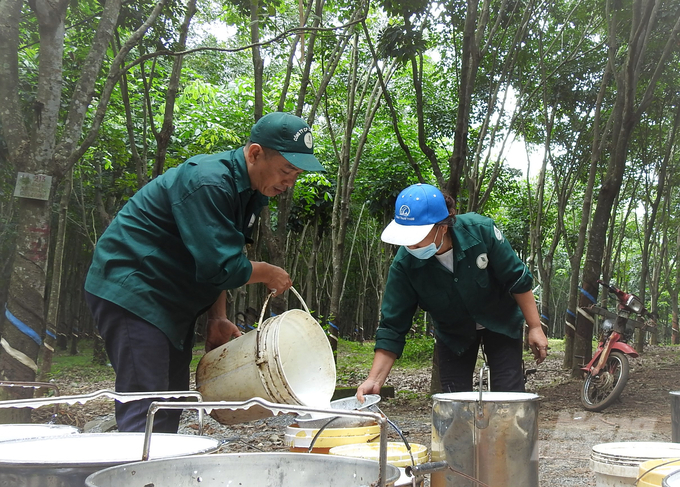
point(498, 233)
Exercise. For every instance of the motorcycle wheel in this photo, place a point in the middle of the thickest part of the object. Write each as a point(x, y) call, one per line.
point(599, 392)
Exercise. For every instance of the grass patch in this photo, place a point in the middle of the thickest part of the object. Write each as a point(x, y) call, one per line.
point(354, 361)
point(79, 367)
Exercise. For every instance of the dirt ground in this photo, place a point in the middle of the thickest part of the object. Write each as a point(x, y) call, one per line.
point(567, 432)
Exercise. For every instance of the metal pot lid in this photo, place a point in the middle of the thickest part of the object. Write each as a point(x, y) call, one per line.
point(100, 448)
point(29, 430)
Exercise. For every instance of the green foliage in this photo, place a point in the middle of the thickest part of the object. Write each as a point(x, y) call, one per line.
point(398, 42)
point(418, 352)
point(312, 198)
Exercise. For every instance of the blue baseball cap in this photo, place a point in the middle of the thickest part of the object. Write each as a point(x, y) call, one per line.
point(417, 209)
point(291, 136)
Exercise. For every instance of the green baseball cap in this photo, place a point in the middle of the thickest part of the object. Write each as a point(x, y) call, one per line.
point(291, 136)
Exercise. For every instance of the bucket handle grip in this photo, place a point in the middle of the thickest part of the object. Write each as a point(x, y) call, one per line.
point(271, 294)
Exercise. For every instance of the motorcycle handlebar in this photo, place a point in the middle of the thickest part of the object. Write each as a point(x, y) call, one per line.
point(611, 288)
point(621, 295)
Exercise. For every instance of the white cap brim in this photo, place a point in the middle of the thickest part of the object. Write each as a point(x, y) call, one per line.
point(397, 234)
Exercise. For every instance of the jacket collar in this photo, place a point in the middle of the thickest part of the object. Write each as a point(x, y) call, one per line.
point(462, 240)
point(240, 170)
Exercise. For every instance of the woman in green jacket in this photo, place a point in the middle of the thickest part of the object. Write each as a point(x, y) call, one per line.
point(464, 273)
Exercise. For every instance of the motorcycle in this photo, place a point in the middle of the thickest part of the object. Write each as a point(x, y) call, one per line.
point(607, 372)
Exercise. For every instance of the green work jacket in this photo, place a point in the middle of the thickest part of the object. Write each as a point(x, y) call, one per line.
point(487, 272)
point(178, 242)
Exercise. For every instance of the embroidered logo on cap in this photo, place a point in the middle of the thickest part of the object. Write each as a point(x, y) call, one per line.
point(404, 212)
point(309, 141)
point(482, 261)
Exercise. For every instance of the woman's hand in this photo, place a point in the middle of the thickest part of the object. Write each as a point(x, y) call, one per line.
point(538, 343)
point(382, 364)
point(369, 386)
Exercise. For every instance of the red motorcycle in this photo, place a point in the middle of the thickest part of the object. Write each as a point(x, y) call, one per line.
point(607, 372)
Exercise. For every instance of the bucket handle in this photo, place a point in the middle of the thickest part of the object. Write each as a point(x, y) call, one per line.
point(482, 369)
point(480, 421)
point(258, 352)
point(271, 294)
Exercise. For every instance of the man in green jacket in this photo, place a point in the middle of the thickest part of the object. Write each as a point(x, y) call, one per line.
point(462, 271)
point(176, 247)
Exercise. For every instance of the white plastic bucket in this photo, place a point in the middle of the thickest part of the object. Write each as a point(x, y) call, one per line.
point(286, 360)
point(617, 464)
point(652, 472)
point(673, 480)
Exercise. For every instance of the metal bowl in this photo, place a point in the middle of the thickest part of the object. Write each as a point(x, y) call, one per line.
point(319, 420)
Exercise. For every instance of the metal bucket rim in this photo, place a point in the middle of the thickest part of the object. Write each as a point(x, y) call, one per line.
point(392, 472)
point(487, 396)
point(207, 445)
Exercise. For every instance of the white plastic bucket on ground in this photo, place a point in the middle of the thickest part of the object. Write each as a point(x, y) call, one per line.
point(397, 455)
point(652, 472)
point(617, 464)
point(673, 480)
point(286, 360)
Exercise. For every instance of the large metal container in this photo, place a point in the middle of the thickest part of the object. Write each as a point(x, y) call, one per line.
point(246, 469)
point(675, 416)
point(490, 436)
point(30, 430)
point(66, 461)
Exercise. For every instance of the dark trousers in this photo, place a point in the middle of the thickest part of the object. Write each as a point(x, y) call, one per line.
point(503, 356)
point(144, 361)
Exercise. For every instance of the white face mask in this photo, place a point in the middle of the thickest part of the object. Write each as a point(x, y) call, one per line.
point(427, 251)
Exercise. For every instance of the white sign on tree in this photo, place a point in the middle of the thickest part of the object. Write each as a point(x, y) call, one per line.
point(35, 186)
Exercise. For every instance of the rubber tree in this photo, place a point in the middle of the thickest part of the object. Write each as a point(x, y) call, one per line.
point(363, 95)
point(636, 64)
point(309, 96)
point(42, 143)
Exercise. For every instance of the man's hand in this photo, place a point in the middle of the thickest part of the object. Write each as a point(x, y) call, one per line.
point(275, 278)
point(219, 331)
